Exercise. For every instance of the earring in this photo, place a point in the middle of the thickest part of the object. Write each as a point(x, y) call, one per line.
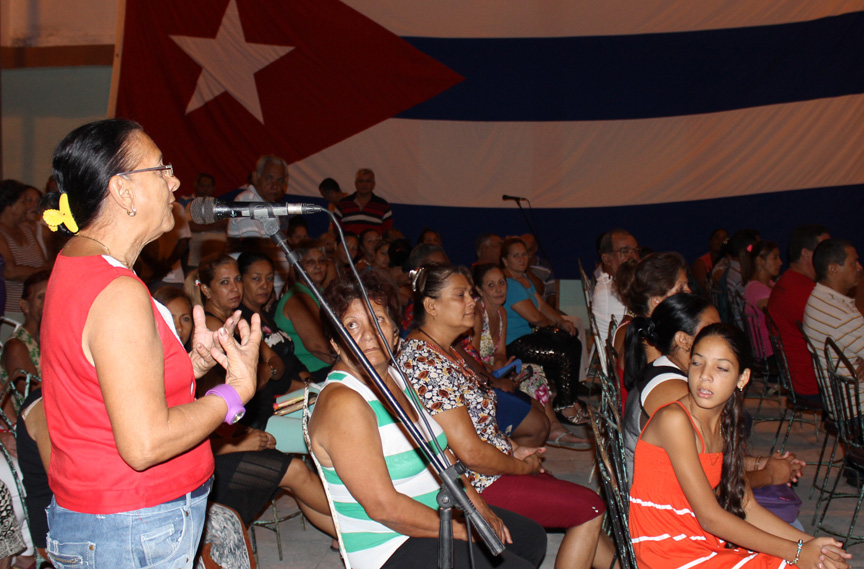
point(133, 212)
point(740, 389)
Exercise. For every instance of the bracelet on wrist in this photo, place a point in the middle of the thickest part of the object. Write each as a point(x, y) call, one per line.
point(227, 393)
point(797, 554)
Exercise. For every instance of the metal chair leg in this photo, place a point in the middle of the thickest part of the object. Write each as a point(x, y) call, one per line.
point(273, 525)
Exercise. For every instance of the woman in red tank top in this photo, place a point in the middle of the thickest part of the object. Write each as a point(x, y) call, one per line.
point(130, 463)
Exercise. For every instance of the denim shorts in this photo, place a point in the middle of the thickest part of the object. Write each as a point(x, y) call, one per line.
point(161, 537)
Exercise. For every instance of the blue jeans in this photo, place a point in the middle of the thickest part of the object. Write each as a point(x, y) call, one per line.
point(161, 537)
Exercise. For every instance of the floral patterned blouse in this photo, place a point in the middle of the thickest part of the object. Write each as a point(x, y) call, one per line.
point(444, 382)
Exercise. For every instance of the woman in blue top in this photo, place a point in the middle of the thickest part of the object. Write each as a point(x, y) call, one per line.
point(537, 333)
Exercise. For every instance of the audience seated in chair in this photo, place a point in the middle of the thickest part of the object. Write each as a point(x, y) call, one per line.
point(488, 249)
point(763, 269)
point(689, 500)
point(488, 340)
point(506, 474)
point(786, 307)
point(538, 334)
point(382, 487)
point(249, 471)
point(615, 248)
point(643, 286)
point(703, 265)
point(297, 313)
point(830, 312)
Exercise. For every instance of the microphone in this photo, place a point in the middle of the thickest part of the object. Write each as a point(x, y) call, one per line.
point(505, 197)
point(209, 210)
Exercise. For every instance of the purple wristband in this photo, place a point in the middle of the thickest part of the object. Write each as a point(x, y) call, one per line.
point(232, 398)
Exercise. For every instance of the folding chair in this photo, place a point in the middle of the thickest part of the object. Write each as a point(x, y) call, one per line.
point(794, 409)
point(595, 356)
point(829, 422)
point(750, 316)
point(611, 391)
point(273, 525)
point(224, 543)
point(617, 497)
point(850, 428)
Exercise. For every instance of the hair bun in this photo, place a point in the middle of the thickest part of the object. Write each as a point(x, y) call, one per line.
point(645, 327)
point(651, 331)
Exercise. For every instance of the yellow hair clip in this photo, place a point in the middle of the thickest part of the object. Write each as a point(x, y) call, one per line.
point(55, 217)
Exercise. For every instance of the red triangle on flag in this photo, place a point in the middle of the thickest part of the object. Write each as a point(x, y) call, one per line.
point(218, 83)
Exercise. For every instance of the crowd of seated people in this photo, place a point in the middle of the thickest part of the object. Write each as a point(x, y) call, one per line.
point(451, 329)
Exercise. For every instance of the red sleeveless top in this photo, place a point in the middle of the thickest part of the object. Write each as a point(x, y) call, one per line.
point(87, 473)
point(663, 526)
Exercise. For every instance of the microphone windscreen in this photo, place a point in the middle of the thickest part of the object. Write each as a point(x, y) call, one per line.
point(201, 210)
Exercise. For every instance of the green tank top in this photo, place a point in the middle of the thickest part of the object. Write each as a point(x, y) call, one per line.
point(311, 362)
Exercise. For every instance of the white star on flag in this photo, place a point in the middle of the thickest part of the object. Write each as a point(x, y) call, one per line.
point(229, 63)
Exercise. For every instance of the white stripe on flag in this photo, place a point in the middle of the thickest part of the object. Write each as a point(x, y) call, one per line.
point(564, 18)
point(809, 144)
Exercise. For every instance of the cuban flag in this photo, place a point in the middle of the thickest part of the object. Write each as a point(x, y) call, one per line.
point(666, 117)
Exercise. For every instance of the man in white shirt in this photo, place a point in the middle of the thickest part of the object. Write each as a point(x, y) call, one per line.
point(830, 312)
point(269, 183)
point(616, 247)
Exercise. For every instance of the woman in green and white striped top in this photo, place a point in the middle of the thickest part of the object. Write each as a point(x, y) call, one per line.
point(382, 490)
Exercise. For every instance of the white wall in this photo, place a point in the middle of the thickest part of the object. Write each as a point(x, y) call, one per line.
point(40, 106)
point(45, 23)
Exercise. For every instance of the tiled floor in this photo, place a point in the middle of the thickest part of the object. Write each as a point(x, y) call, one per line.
point(310, 549)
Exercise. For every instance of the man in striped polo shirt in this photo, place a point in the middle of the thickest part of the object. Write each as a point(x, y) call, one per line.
point(830, 312)
point(364, 210)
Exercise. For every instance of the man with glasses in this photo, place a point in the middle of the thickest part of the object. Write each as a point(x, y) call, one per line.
point(616, 247)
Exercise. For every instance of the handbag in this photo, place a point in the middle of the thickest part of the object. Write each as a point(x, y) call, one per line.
point(780, 499)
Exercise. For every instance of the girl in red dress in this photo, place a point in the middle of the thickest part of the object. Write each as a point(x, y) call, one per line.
point(689, 500)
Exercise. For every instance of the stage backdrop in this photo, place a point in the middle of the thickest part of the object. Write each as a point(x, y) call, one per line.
point(667, 117)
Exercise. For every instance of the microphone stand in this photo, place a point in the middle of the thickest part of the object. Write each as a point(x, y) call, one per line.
point(451, 491)
point(532, 228)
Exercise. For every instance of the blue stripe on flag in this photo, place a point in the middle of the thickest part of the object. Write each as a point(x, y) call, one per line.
point(642, 76)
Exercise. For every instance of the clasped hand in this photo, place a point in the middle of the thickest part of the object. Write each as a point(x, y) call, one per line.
point(530, 456)
point(239, 358)
point(784, 468)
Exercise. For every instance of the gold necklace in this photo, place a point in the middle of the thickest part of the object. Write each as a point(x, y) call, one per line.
point(104, 246)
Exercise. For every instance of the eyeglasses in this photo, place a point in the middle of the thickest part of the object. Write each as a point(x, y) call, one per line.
point(167, 170)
